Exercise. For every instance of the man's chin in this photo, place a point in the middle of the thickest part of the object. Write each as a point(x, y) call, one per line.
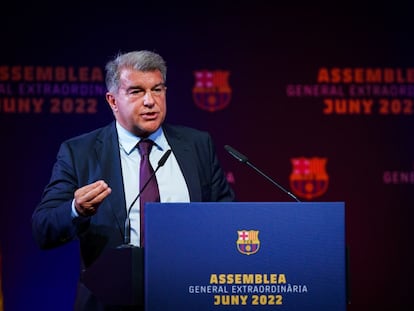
point(149, 128)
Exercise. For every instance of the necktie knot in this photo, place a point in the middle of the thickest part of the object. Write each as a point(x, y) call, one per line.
point(145, 146)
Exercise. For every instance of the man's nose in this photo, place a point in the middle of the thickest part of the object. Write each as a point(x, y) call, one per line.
point(148, 98)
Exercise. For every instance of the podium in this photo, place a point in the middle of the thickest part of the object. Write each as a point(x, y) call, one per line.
point(245, 256)
point(116, 278)
point(221, 256)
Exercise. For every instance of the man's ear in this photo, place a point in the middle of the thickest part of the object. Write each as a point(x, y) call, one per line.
point(111, 101)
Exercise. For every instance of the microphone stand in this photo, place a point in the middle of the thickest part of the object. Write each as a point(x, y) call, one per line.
point(127, 225)
point(242, 158)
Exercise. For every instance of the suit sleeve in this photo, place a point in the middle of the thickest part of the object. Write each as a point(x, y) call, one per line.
point(52, 221)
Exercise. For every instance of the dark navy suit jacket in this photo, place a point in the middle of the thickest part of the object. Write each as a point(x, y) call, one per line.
point(95, 155)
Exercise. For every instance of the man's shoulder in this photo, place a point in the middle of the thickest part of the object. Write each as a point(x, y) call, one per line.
point(100, 133)
point(183, 130)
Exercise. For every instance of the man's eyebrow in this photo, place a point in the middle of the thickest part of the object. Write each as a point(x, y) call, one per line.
point(139, 87)
point(134, 87)
point(159, 84)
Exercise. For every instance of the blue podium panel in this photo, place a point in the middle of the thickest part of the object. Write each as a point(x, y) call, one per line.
point(245, 256)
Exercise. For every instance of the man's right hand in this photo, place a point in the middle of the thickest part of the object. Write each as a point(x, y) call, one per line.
point(89, 197)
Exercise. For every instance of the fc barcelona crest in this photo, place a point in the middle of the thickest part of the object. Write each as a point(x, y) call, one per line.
point(211, 90)
point(309, 178)
point(248, 241)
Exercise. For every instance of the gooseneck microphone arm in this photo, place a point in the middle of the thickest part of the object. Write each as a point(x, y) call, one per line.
point(127, 226)
point(242, 158)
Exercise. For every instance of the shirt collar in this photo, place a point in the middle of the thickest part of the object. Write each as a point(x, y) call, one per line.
point(128, 141)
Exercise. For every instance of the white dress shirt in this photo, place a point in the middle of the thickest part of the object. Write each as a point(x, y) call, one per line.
point(171, 183)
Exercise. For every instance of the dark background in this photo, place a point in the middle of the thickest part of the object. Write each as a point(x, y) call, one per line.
point(265, 47)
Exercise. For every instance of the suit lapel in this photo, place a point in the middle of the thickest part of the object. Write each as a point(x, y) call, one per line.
point(107, 152)
point(186, 161)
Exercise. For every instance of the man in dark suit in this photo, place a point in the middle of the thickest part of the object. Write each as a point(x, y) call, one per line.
point(96, 176)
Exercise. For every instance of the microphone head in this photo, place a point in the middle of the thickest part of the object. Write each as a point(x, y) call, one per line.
point(164, 158)
point(236, 154)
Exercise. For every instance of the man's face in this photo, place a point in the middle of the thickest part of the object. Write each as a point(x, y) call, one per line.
point(140, 103)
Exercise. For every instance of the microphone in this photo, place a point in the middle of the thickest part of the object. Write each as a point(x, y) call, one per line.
point(127, 226)
point(242, 158)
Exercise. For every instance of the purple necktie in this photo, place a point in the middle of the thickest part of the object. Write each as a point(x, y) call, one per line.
point(151, 192)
